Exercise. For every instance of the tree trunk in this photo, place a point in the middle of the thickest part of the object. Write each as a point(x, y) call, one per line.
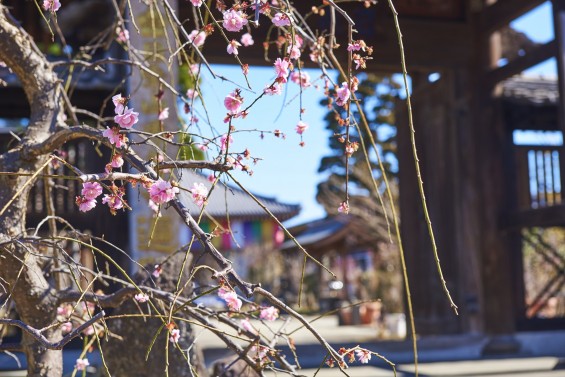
point(127, 356)
point(21, 265)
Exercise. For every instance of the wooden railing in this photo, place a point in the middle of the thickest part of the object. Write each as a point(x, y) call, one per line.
point(538, 176)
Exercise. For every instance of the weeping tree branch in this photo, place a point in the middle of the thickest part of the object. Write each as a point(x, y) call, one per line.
point(38, 336)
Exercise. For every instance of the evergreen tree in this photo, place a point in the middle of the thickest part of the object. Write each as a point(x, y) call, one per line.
point(377, 95)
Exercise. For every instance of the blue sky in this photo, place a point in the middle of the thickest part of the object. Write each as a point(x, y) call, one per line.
point(538, 26)
point(288, 172)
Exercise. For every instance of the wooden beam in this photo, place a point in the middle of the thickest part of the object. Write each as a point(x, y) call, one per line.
point(514, 67)
point(428, 44)
point(539, 217)
point(503, 12)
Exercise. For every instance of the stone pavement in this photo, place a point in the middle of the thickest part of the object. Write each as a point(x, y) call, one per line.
point(516, 367)
point(541, 354)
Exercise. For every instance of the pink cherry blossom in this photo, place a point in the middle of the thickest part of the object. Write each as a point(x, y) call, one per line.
point(164, 114)
point(260, 352)
point(199, 193)
point(196, 3)
point(247, 40)
point(354, 84)
point(222, 291)
point(141, 297)
point(51, 5)
point(281, 19)
point(91, 190)
point(232, 47)
point(85, 204)
point(234, 20)
point(194, 69)
point(175, 336)
point(301, 78)
point(301, 127)
point(298, 41)
point(343, 93)
point(269, 314)
point(354, 46)
point(81, 364)
point(154, 207)
point(357, 45)
point(197, 38)
point(66, 327)
point(64, 311)
point(156, 271)
point(203, 147)
point(281, 68)
point(225, 141)
point(343, 208)
point(113, 201)
point(275, 89)
point(247, 325)
point(117, 161)
point(127, 119)
point(293, 52)
point(363, 355)
point(191, 94)
point(123, 36)
point(233, 302)
point(162, 191)
point(115, 137)
point(119, 103)
point(211, 178)
point(233, 102)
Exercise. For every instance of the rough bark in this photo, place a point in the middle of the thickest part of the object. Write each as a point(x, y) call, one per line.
point(126, 356)
point(21, 268)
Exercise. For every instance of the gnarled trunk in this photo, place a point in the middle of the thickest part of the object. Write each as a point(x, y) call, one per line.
point(20, 266)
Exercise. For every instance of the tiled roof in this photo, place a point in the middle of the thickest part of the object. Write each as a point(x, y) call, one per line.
point(231, 199)
point(531, 90)
point(315, 231)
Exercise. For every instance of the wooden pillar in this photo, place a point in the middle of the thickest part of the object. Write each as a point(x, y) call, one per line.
point(496, 248)
point(438, 146)
point(559, 32)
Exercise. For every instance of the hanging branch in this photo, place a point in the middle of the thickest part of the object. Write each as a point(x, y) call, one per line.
point(36, 334)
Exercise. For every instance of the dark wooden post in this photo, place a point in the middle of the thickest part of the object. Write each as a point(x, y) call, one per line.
point(559, 32)
point(495, 249)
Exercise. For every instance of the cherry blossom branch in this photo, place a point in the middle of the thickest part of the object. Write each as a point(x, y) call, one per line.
point(115, 176)
point(342, 12)
point(203, 237)
point(112, 300)
point(282, 306)
point(36, 334)
point(185, 34)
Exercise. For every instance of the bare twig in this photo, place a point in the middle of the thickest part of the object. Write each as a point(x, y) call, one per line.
point(36, 334)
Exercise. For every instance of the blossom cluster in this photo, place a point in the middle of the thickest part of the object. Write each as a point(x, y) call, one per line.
point(125, 118)
point(51, 5)
point(73, 316)
point(362, 354)
point(230, 297)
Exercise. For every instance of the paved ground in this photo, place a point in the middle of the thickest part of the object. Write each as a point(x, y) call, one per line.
point(541, 354)
point(538, 367)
